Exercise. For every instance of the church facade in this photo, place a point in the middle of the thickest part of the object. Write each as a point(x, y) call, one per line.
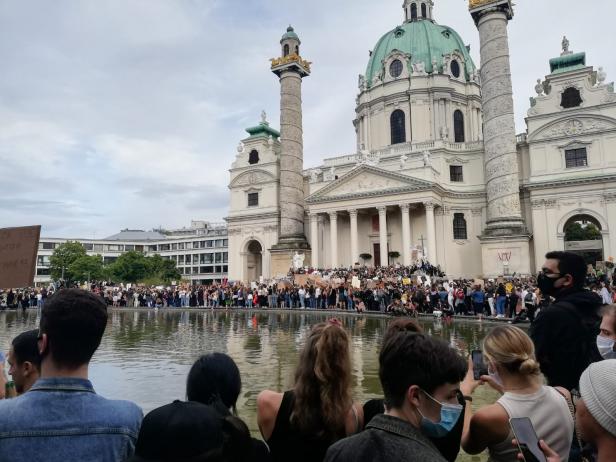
point(438, 172)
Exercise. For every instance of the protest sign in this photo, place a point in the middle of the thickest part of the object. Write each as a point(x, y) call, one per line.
point(355, 282)
point(18, 248)
point(301, 279)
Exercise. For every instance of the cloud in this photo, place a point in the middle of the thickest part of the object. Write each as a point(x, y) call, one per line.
point(126, 113)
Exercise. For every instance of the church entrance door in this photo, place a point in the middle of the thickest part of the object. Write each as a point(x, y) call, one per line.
point(253, 261)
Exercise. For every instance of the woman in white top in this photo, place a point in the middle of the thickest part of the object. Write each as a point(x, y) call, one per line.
point(514, 371)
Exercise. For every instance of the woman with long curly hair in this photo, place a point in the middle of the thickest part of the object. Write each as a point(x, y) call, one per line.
point(302, 423)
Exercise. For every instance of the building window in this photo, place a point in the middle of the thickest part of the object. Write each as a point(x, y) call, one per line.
point(455, 69)
point(395, 68)
point(458, 126)
point(286, 50)
point(455, 173)
point(424, 13)
point(576, 158)
point(253, 157)
point(49, 246)
point(459, 227)
point(571, 98)
point(253, 199)
point(398, 128)
point(88, 247)
point(413, 12)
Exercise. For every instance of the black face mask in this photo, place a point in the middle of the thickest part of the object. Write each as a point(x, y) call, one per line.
point(546, 284)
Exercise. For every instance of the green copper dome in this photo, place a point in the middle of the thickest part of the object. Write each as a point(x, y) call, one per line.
point(290, 34)
point(424, 41)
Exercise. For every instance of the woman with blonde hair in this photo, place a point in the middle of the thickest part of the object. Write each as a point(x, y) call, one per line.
point(302, 423)
point(513, 370)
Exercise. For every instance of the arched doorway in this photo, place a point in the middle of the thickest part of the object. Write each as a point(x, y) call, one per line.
point(583, 235)
point(253, 257)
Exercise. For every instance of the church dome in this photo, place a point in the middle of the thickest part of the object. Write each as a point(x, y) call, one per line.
point(424, 41)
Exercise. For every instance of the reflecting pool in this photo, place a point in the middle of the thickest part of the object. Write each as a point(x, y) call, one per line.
point(145, 356)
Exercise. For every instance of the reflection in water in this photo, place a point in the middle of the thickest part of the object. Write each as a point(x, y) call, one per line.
point(145, 355)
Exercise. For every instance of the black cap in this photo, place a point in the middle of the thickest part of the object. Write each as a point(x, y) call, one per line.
point(179, 431)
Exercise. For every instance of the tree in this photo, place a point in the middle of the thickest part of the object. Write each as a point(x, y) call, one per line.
point(576, 231)
point(129, 267)
point(63, 257)
point(393, 255)
point(365, 257)
point(163, 269)
point(87, 268)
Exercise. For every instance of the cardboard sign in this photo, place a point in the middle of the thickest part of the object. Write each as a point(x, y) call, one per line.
point(18, 248)
point(356, 284)
point(301, 279)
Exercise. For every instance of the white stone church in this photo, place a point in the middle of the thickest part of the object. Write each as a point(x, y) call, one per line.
point(421, 181)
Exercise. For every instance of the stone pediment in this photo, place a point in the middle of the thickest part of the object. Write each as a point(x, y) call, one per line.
point(251, 178)
point(579, 125)
point(364, 181)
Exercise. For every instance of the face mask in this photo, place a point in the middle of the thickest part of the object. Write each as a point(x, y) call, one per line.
point(606, 347)
point(450, 414)
point(546, 284)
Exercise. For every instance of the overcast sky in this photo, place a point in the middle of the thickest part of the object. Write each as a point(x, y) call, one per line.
point(127, 113)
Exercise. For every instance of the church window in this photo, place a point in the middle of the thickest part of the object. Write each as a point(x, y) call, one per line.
point(297, 50)
point(395, 68)
point(458, 126)
point(424, 13)
point(286, 50)
point(413, 12)
point(459, 227)
point(571, 98)
point(253, 157)
point(455, 69)
point(253, 199)
point(456, 174)
point(398, 127)
point(576, 158)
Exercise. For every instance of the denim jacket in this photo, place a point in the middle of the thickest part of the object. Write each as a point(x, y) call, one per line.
point(63, 420)
point(386, 439)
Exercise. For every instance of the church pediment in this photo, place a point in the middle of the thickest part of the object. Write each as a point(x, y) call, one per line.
point(252, 178)
point(573, 126)
point(368, 181)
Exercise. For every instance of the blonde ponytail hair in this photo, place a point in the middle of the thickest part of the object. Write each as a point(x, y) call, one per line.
point(511, 348)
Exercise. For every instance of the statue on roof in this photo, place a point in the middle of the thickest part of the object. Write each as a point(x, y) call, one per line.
point(263, 117)
point(565, 45)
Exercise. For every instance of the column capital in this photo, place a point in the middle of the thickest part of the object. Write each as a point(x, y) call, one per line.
point(313, 215)
point(333, 215)
point(405, 207)
point(353, 212)
point(382, 209)
point(429, 205)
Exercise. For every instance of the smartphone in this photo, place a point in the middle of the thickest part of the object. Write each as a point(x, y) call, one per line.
point(528, 442)
point(479, 365)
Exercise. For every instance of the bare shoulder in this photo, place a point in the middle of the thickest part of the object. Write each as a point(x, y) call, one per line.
point(355, 419)
point(492, 422)
point(564, 392)
point(268, 399)
point(268, 405)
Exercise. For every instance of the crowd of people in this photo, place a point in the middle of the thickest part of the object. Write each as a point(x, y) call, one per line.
point(561, 377)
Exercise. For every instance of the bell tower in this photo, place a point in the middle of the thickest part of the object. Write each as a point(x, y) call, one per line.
point(417, 10)
point(290, 68)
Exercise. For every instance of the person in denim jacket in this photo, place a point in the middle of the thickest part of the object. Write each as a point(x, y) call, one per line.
point(61, 418)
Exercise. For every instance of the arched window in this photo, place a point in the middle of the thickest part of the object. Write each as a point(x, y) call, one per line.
point(571, 98)
point(286, 49)
point(253, 157)
point(455, 69)
point(424, 13)
point(458, 126)
point(459, 227)
point(413, 11)
point(398, 127)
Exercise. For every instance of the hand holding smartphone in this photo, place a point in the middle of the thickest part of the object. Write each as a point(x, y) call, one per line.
point(527, 440)
point(479, 366)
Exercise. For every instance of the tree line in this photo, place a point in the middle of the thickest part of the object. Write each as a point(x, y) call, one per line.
point(71, 263)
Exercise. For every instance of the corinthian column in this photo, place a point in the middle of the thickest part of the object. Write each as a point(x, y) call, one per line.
point(333, 238)
point(354, 246)
point(501, 166)
point(314, 238)
point(431, 230)
point(383, 235)
point(406, 234)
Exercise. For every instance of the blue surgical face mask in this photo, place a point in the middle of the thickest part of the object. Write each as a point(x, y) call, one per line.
point(606, 347)
point(450, 414)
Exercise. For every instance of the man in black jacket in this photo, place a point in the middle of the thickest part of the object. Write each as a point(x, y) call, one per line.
point(565, 332)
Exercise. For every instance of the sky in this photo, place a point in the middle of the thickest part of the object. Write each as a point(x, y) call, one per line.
point(127, 113)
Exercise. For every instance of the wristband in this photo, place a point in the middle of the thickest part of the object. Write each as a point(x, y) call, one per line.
point(468, 398)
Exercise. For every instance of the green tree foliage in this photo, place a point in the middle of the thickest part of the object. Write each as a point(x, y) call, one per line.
point(575, 231)
point(393, 255)
point(365, 257)
point(129, 267)
point(135, 267)
point(88, 268)
point(63, 257)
